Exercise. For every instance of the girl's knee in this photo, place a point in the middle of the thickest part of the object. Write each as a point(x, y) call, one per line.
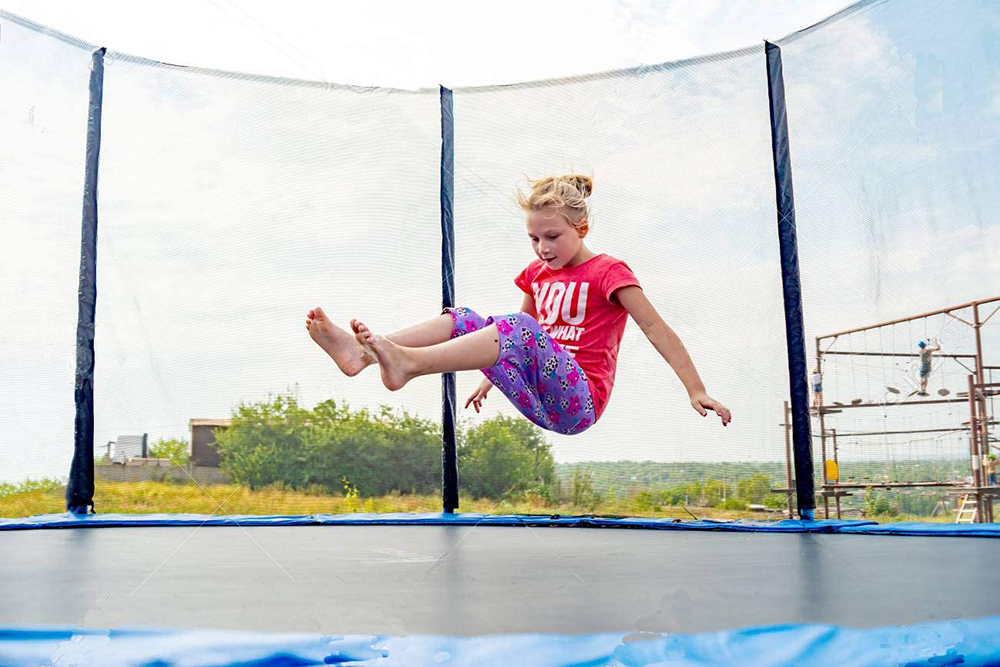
point(462, 311)
point(466, 320)
point(526, 320)
point(517, 322)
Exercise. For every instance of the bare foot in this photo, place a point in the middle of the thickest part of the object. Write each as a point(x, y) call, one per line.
point(342, 347)
point(395, 367)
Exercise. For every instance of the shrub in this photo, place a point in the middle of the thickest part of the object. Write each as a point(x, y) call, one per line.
point(277, 442)
point(505, 456)
point(176, 450)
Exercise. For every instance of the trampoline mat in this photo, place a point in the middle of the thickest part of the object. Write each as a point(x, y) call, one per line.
point(465, 580)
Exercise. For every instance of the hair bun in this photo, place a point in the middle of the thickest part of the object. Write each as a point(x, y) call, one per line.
point(567, 193)
point(585, 184)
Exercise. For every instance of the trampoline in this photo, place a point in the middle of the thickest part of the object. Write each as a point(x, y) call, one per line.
point(469, 580)
point(236, 189)
point(470, 589)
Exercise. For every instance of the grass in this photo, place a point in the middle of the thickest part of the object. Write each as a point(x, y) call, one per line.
point(152, 497)
point(147, 497)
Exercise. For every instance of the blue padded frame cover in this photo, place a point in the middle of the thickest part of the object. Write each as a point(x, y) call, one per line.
point(853, 527)
point(964, 642)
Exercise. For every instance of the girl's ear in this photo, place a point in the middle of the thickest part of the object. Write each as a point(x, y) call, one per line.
point(583, 228)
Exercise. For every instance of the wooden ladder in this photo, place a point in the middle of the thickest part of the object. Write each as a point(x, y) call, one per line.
point(967, 512)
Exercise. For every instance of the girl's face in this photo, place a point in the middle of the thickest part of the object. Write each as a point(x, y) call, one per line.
point(553, 239)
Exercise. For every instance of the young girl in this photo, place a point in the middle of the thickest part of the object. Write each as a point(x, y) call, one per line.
point(555, 359)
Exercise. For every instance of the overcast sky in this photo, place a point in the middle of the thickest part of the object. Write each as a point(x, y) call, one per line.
point(420, 44)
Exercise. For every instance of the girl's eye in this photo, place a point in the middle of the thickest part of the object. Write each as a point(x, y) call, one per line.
point(553, 238)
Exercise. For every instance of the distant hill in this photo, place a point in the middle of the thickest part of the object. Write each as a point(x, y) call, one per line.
point(623, 476)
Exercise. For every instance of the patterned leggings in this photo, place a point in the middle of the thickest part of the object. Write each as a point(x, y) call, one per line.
point(540, 378)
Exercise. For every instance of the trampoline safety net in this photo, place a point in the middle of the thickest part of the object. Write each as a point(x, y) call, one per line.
point(230, 204)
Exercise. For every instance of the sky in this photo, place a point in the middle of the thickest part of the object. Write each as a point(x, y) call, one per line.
point(420, 44)
point(229, 206)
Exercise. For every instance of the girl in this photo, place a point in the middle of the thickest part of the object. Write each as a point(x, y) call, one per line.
point(554, 360)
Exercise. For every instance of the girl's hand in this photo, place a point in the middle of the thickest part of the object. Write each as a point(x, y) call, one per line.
point(479, 395)
point(703, 403)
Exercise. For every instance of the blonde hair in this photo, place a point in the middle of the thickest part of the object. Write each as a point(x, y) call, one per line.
point(568, 194)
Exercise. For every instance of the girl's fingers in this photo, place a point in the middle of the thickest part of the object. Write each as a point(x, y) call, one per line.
point(711, 404)
point(476, 400)
point(724, 413)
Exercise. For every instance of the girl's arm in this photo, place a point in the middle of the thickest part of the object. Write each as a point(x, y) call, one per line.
point(528, 306)
point(670, 347)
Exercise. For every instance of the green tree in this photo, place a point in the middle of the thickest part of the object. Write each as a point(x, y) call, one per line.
point(266, 443)
point(877, 504)
point(378, 452)
point(922, 504)
point(581, 492)
point(176, 450)
point(503, 456)
point(712, 492)
point(755, 489)
point(279, 441)
point(692, 493)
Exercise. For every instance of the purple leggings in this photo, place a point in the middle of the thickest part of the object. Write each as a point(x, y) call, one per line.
point(539, 377)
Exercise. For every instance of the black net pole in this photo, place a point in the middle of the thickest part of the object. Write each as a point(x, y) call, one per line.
point(792, 287)
point(80, 489)
point(449, 455)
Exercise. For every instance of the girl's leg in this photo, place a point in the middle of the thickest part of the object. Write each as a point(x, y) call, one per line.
point(426, 333)
point(400, 364)
point(352, 358)
point(541, 379)
point(516, 354)
point(453, 322)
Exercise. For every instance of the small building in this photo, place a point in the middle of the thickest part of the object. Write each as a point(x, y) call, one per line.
point(128, 447)
point(203, 450)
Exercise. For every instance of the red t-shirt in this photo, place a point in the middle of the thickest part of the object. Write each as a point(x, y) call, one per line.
point(575, 305)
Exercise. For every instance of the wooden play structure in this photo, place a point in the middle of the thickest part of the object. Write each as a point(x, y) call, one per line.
point(919, 385)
